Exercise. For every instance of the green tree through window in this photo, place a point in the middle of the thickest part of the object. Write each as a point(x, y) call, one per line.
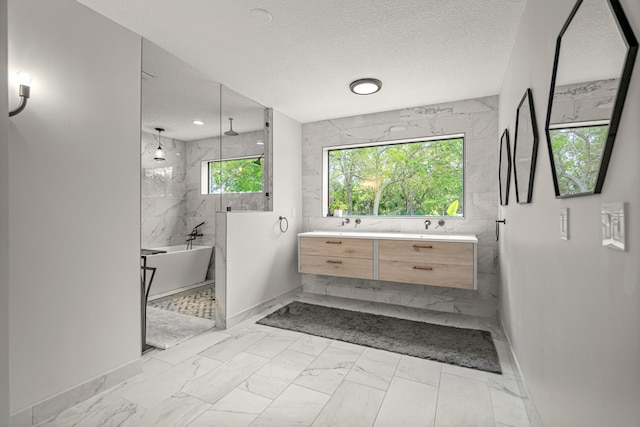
point(235, 176)
point(415, 178)
point(577, 154)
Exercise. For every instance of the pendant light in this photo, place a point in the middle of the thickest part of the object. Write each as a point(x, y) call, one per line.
point(231, 132)
point(159, 155)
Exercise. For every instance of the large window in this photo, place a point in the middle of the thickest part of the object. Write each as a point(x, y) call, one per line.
point(243, 175)
point(420, 177)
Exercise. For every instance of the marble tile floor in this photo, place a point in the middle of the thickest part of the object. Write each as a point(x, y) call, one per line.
point(254, 375)
point(200, 303)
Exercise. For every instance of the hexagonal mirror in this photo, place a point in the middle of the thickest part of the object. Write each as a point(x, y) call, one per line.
point(504, 171)
point(525, 148)
point(595, 53)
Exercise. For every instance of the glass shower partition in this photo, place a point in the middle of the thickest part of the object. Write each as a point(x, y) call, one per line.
point(243, 176)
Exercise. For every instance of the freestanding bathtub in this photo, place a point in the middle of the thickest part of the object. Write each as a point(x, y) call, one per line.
point(178, 268)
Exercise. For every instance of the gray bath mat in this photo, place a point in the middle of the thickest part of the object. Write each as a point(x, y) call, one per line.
point(470, 348)
point(166, 329)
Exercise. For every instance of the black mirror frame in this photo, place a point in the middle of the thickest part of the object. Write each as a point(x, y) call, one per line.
point(504, 190)
point(534, 150)
point(632, 50)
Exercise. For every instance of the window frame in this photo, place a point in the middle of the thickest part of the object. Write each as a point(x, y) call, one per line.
point(325, 172)
point(205, 181)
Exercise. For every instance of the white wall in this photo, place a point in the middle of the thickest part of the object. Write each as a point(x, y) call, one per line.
point(4, 224)
point(262, 261)
point(572, 308)
point(74, 177)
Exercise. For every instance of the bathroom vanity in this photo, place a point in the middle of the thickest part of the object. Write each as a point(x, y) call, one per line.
point(447, 260)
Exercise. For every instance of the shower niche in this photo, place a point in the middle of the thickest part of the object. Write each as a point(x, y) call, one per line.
point(217, 148)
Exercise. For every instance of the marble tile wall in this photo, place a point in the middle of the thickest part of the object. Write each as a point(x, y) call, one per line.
point(581, 102)
point(163, 193)
point(221, 273)
point(203, 207)
point(478, 120)
point(172, 203)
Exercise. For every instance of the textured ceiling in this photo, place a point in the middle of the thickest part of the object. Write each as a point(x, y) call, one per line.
point(177, 94)
point(592, 47)
point(301, 63)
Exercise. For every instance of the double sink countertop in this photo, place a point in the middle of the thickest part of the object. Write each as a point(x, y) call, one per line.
point(458, 238)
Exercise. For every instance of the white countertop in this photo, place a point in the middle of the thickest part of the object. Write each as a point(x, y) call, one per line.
point(461, 238)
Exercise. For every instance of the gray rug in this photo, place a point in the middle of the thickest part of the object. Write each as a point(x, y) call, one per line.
point(470, 348)
point(166, 329)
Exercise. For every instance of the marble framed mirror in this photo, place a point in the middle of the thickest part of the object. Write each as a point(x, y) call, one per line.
point(504, 169)
point(595, 54)
point(525, 148)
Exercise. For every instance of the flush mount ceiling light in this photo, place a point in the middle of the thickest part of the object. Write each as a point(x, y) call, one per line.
point(159, 155)
point(231, 132)
point(366, 86)
point(198, 122)
point(261, 16)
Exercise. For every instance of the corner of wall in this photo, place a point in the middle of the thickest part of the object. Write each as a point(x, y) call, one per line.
point(4, 222)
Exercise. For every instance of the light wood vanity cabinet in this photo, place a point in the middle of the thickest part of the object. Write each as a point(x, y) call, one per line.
point(427, 263)
point(337, 257)
point(391, 257)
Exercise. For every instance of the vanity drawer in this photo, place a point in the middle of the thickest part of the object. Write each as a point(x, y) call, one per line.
point(427, 273)
point(417, 251)
point(336, 247)
point(358, 268)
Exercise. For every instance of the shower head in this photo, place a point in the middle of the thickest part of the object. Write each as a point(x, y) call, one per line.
point(231, 132)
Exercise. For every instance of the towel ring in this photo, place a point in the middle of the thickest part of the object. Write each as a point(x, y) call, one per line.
point(284, 228)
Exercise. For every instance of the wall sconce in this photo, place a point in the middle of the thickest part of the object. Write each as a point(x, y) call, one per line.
point(159, 155)
point(25, 91)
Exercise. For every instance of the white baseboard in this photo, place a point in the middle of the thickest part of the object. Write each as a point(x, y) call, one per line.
point(237, 318)
point(532, 412)
point(52, 406)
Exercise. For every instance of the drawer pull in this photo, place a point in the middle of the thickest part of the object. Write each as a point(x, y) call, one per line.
point(423, 246)
point(417, 267)
point(332, 242)
point(330, 261)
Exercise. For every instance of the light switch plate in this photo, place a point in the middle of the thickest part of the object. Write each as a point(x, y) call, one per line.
point(613, 227)
point(564, 223)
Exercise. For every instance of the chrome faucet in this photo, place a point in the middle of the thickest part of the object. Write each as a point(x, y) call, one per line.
point(358, 221)
point(427, 223)
point(345, 221)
